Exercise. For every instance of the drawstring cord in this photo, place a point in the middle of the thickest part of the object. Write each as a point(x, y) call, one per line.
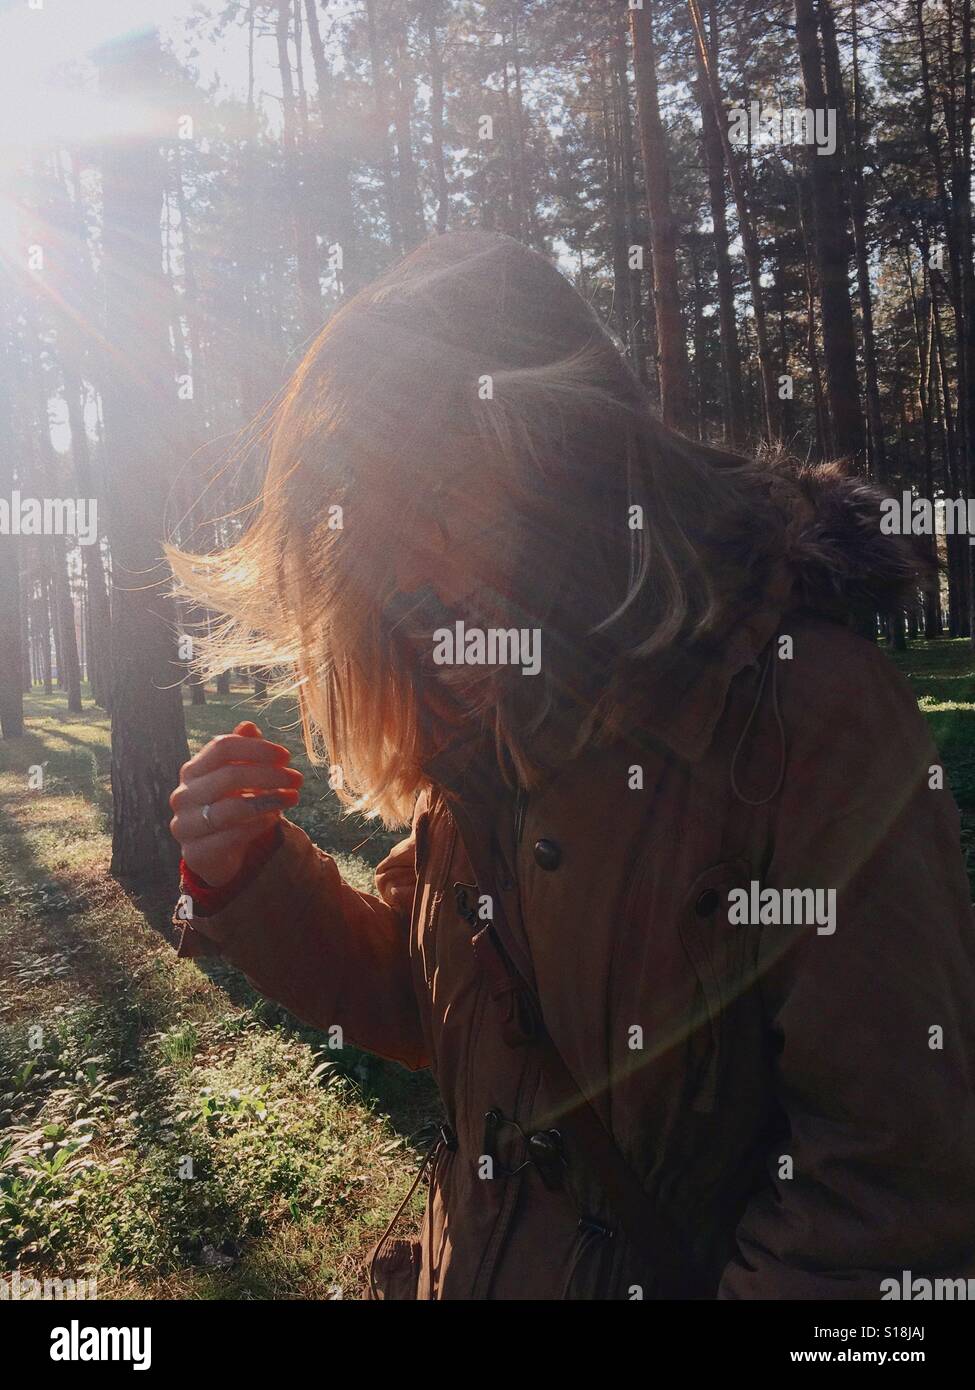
point(771, 661)
point(398, 1213)
point(429, 1217)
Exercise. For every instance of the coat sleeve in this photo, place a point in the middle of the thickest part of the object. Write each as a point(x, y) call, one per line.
point(326, 951)
point(872, 1024)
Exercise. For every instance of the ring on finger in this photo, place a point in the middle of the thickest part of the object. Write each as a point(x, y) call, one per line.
point(205, 813)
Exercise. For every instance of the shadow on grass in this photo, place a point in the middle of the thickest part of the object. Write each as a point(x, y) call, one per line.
point(408, 1099)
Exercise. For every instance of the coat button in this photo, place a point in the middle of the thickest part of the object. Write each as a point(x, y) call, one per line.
point(708, 902)
point(548, 855)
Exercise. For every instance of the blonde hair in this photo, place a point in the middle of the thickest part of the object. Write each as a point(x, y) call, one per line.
point(472, 358)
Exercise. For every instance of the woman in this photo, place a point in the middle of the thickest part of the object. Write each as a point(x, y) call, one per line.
point(682, 926)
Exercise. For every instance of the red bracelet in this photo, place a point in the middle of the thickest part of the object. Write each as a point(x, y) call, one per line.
point(207, 899)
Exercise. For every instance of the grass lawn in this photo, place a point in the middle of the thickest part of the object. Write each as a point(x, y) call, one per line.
point(943, 676)
point(162, 1127)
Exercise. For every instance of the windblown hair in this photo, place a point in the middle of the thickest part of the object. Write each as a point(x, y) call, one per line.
point(474, 359)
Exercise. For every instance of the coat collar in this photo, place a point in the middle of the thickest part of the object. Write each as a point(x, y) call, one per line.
point(678, 704)
point(681, 704)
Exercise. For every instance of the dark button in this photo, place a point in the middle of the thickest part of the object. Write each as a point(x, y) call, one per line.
point(548, 855)
point(545, 1146)
point(589, 1223)
point(545, 1151)
point(708, 902)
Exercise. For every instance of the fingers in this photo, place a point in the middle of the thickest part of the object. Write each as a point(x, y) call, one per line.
point(229, 748)
point(216, 858)
point(247, 814)
point(245, 782)
point(233, 780)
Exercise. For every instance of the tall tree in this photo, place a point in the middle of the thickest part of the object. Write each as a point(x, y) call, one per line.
point(746, 228)
point(69, 665)
point(305, 243)
point(733, 397)
point(851, 154)
point(11, 682)
point(407, 182)
point(436, 44)
point(148, 731)
point(671, 343)
point(336, 171)
point(381, 120)
point(831, 224)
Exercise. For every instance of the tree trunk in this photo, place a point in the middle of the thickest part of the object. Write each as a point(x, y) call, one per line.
point(615, 201)
point(874, 411)
point(432, 13)
point(850, 153)
point(831, 236)
point(621, 81)
point(306, 248)
point(749, 237)
point(700, 374)
point(69, 664)
point(732, 393)
point(410, 206)
point(672, 363)
point(787, 405)
point(148, 731)
point(962, 195)
point(44, 629)
point(957, 545)
point(525, 196)
point(99, 667)
point(336, 172)
point(65, 633)
point(11, 622)
point(923, 351)
point(382, 120)
point(27, 684)
point(823, 438)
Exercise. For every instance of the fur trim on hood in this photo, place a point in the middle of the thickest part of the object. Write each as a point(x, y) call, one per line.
point(842, 562)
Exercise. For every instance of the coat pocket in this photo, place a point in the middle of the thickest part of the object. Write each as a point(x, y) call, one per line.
point(394, 1269)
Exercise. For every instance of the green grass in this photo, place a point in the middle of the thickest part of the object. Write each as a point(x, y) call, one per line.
point(942, 673)
point(163, 1128)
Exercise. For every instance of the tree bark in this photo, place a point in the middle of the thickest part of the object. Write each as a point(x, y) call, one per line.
point(66, 636)
point(830, 223)
point(749, 237)
point(615, 202)
point(99, 665)
point(432, 13)
point(732, 393)
point(148, 731)
point(410, 206)
point(306, 247)
point(11, 621)
point(638, 325)
point(672, 363)
point(851, 155)
point(382, 120)
point(336, 170)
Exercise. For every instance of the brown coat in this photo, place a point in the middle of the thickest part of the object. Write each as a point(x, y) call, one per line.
point(779, 1089)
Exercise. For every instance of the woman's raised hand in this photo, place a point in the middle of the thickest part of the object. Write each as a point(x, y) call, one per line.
point(245, 783)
